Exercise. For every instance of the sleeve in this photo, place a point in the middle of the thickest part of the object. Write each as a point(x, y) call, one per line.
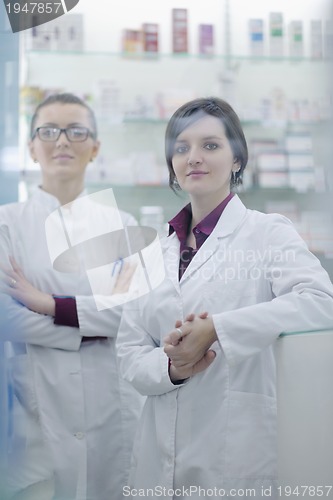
point(94, 323)
point(65, 311)
point(143, 363)
point(302, 296)
point(19, 324)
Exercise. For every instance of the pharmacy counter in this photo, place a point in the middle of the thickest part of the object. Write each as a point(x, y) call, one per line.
point(305, 414)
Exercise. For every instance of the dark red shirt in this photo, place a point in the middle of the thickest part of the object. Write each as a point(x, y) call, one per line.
point(66, 315)
point(65, 311)
point(181, 224)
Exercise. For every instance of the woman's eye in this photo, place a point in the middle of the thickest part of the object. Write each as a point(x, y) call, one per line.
point(210, 146)
point(181, 149)
point(49, 132)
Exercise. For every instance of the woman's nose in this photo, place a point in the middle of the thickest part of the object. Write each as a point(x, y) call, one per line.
point(62, 139)
point(194, 155)
point(194, 159)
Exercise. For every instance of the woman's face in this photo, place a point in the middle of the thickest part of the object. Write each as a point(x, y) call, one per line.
point(62, 159)
point(203, 160)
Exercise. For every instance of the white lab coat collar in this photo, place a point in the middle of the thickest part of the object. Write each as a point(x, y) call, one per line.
point(230, 219)
point(48, 200)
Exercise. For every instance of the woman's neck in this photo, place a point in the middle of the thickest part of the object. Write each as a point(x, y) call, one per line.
point(201, 207)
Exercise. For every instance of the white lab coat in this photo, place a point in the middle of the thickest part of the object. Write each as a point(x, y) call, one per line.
point(257, 278)
point(74, 417)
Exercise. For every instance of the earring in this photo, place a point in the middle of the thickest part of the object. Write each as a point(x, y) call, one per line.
point(175, 183)
point(234, 177)
point(92, 159)
point(35, 161)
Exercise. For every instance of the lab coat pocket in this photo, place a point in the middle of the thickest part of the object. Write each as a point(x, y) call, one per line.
point(22, 381)
point(251, 449)
point(221, 295)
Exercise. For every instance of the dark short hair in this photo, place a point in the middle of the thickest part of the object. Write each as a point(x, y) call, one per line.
point(191, 112)
point(65, 98)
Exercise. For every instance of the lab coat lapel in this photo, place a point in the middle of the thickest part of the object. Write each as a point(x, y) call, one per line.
point(171, 259)
point(230, 219)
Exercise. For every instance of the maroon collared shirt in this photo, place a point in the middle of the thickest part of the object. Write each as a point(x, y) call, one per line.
point(181, 224)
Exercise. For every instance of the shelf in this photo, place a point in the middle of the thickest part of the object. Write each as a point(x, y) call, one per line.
point(127, 56)
point(257, 198)
point(119, 86)
point(131, 197)
point(246, 123)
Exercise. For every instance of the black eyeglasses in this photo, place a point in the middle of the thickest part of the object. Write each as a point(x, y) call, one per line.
point(73, 134)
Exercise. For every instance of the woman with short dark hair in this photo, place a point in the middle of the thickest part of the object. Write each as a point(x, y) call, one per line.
point(201, 346)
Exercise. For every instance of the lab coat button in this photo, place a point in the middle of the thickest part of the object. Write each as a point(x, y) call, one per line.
point(170, 460)
point(79, 435)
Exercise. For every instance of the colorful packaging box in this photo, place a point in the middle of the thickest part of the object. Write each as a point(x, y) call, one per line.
point(256, 32)
point(316, 37)
point(179, 31)
point(206, 39)
point(276, 34)
point(150, 38)
point(132, 41)
point(296, 41)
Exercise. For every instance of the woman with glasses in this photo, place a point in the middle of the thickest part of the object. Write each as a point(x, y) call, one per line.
point(201, 346)
point(76, 416)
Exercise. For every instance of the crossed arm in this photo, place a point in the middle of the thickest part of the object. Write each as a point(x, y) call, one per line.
point(20, 289)
point(34, 323)
point(23, 291)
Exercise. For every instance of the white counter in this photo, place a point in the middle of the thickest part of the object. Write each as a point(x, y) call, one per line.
point(305, 413)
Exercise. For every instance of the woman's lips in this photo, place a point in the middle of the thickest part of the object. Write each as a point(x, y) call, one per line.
point(195, 173)
point(63, 157)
